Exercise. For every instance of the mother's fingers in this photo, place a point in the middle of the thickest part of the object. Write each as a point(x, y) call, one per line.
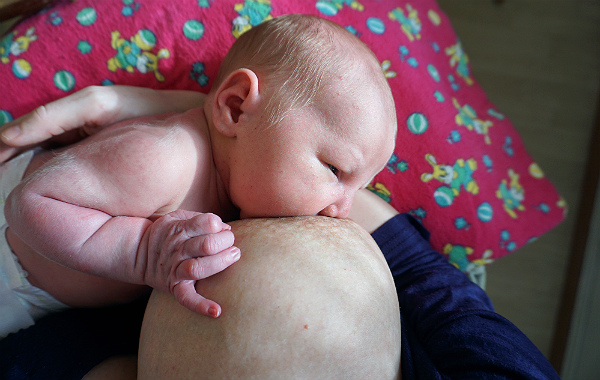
point(95, 106)
point(31, 128)
point(90, 106)
point(7, 152)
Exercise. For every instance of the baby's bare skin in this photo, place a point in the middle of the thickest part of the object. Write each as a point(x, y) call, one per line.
point(58, 280)
point(113, 205)
point(112, 175)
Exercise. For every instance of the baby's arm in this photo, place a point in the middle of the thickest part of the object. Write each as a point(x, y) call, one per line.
point(88, 209)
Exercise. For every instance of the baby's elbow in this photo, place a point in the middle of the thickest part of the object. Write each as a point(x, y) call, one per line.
point(19, 208)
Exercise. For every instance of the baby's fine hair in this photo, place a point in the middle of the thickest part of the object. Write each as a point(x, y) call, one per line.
point(293, 54)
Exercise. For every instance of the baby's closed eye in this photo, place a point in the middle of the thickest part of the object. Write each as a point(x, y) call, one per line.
point(333, 169)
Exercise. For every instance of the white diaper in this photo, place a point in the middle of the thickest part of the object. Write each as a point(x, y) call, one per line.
point(20, 302)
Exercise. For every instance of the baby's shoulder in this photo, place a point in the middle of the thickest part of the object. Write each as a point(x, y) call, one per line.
point(173, 133)
point(162, 145)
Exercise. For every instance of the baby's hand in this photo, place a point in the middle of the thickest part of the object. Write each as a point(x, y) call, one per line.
point(184, 247)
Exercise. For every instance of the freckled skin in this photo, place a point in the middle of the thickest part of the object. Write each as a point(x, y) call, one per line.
point(304, 293)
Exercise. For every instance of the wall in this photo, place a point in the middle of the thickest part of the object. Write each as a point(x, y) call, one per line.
point(581, 356)
point(539, 62)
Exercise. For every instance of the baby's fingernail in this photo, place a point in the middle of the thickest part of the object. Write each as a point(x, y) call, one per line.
point(11, 133)
point(213, 312)
point(236, 253)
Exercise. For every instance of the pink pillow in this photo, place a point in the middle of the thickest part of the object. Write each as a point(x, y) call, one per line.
point(459, 165)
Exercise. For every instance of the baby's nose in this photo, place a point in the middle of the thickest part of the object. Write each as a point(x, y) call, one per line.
point(340, 209)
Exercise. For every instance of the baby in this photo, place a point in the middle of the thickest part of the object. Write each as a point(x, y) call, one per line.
point(299, 118)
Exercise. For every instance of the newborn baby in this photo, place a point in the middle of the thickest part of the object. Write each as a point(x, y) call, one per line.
point(299, 118)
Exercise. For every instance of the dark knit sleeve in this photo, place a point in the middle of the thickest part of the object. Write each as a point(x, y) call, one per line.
point(68, 344)
point(449, 328)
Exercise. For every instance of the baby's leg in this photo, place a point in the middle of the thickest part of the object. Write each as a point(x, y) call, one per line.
point(310, 298)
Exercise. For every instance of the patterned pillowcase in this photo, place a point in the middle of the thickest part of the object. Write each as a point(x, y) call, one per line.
point(459, 165)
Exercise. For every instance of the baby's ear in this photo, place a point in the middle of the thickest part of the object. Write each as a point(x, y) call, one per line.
point(235, 101)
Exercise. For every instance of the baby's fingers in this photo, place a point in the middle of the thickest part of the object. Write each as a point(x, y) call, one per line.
point(199, 268)
point(186, 294)
point(202, 224)
point(206, 245)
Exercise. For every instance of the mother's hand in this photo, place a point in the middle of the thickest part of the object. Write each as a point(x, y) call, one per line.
point(80, 114)
point(63, 118)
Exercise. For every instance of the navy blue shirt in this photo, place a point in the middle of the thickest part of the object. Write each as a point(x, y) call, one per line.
point(449, 328)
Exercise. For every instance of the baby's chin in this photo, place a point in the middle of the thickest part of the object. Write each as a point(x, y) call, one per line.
point(273, 214)
point(245, 215)
point(252, 215)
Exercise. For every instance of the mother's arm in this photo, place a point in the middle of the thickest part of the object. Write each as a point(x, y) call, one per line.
point(70, 118)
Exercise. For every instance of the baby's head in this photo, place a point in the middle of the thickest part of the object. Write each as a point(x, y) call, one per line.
point(302, 117)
